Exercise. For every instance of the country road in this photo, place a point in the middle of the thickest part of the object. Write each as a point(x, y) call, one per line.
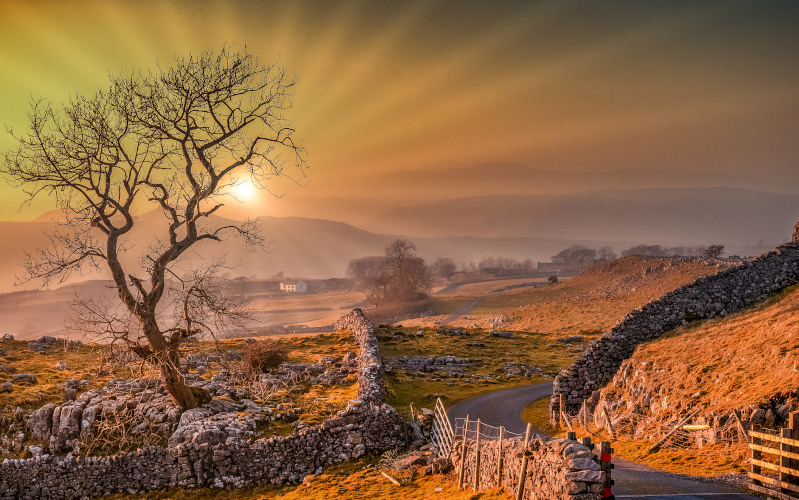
point(463, 311)
point(632, 480)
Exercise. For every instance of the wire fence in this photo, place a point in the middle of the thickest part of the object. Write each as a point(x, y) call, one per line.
point(687, 431)
point(487, 432)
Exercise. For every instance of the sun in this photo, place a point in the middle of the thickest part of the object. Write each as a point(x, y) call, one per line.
point(244, 191)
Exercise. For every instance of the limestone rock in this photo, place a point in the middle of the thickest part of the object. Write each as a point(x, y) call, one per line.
point(24, 378)
point(40, 422)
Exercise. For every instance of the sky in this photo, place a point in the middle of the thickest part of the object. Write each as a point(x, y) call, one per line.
point(388, 86)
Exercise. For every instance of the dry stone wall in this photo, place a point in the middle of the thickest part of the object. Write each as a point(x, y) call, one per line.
point(371, 386)
point(557, 469)
point(708, 297)
point(215, 459)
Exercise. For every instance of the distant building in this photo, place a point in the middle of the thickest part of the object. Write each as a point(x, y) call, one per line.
point(297, 286)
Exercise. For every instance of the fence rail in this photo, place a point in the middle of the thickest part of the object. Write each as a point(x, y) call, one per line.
point(474, 432)
point(779, 454)
point(443, 433)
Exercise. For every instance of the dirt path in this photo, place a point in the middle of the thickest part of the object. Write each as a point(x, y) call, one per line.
point(464, 310)
point(632, 480)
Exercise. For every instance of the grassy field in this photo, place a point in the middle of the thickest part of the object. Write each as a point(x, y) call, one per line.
point(591, 302)
point(312, 309)
point(489, 375)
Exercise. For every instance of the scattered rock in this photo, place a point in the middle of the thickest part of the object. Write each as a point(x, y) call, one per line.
point(61, 365)
point(6, 386)
point(501, 334)
point(24, 378)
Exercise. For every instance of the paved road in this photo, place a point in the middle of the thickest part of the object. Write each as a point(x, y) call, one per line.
point(632, 480)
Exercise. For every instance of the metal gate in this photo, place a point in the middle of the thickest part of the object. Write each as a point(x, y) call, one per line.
point(443, 433)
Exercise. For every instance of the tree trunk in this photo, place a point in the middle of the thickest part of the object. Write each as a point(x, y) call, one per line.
point(176, 386)
point(165, 355)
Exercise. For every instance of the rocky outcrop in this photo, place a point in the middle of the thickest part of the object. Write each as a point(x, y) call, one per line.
point(708, 297)
point(206, 461)
point(212, 447)
point(557, 469)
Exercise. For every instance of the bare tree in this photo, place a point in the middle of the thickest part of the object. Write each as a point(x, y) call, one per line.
point(714, 251)
point(176, 140)
point(399, 276)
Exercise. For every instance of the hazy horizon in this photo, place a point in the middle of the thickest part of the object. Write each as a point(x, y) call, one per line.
point(384, 88)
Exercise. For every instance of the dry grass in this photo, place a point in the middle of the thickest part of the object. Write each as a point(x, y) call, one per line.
point(486, 287)
point(591, 302)
point(82, 364)
point(316, 309)
point(707, 461)
point(726, 364)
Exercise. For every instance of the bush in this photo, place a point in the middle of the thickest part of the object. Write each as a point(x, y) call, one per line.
point(263, 355)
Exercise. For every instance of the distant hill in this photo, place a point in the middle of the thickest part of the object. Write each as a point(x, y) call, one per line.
point(730, 216)
point(357, 200)
point(299, 247)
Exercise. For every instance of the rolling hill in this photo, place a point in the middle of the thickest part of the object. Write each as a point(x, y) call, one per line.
point(738, 218)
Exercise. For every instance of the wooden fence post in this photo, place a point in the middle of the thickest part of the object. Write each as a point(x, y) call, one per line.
point(785, 461)
point(586, 441)
point(571, 436)
point(499, 457)
point(607, 467)
point(523, 469)
point(477, 459)
point(463, 453)
point(741, 428)
point(560, 410)
point(793, 424)
point(756, 454)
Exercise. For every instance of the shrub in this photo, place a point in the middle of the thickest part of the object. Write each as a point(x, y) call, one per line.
point(263, 355)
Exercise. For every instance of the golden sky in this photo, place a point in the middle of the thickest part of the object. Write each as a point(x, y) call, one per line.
point(397, 85)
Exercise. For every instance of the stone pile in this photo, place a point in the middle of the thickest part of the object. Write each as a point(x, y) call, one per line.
point(47, 342)
point(708, 297)
point(557, 469)
point(516, 369)
point(427, 364)
point(65, 424)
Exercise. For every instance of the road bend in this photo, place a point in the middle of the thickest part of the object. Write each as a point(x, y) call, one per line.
point(632, 480)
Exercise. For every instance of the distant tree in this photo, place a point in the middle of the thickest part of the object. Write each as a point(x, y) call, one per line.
point(400, 275)
point(369, 276)
point(576, 255)
point(714, 251)
point(646, 251)
point(606, 254)
point(443, 268)
point(176, 140)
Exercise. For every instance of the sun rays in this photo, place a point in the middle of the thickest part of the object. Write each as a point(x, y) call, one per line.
point(413, 84)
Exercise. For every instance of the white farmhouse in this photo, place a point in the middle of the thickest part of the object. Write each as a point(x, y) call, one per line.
point(290, 285)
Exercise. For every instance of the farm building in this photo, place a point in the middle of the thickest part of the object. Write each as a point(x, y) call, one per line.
point(290, 285)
